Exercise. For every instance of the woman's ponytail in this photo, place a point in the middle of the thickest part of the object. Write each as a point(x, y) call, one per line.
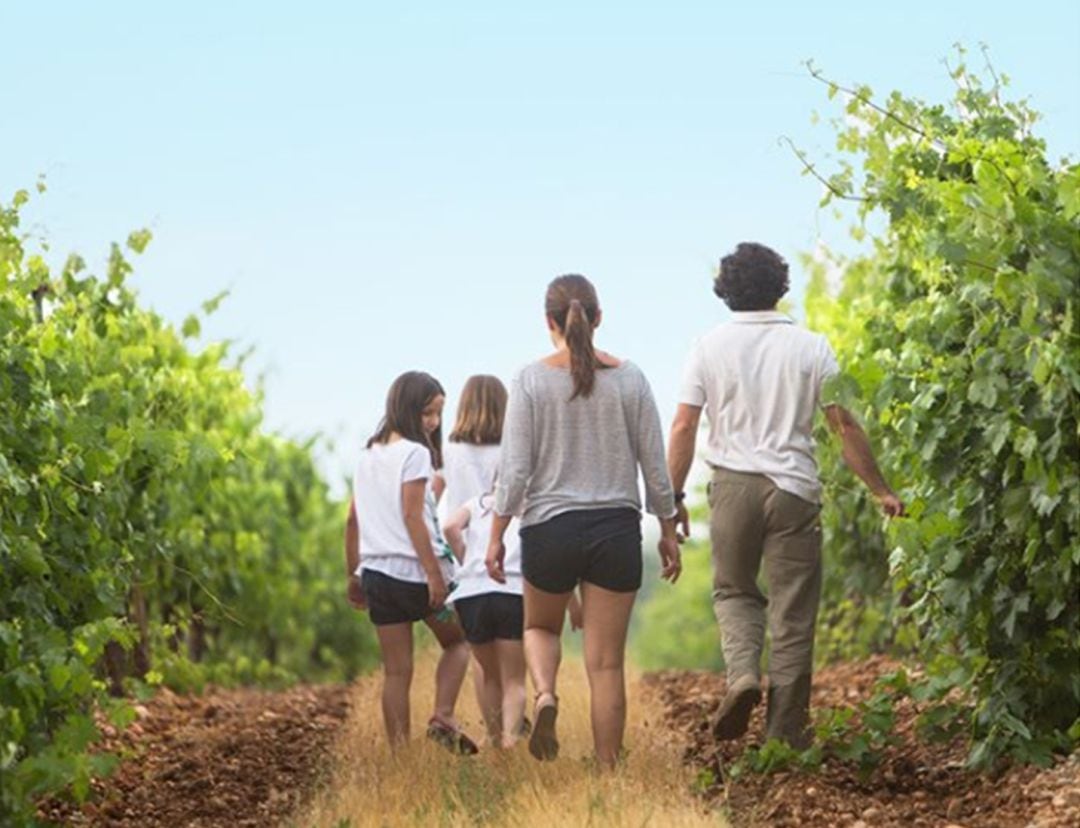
point(572, 305)
point(578, 335)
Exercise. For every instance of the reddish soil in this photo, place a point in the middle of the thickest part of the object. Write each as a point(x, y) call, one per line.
point(227, 758)
point(916, 784)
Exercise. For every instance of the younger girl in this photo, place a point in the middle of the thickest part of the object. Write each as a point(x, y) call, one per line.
point(472, 452)
point(395, 572)
point(491, 614)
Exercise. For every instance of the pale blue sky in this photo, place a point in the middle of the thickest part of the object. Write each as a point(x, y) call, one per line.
point(386, 186)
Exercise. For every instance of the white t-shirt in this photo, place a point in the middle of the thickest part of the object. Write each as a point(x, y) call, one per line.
point(472, 577)
point(759, 379)
point(384, 541)
point(469, 471)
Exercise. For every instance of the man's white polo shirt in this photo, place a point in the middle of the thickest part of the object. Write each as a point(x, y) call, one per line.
point(759, 379)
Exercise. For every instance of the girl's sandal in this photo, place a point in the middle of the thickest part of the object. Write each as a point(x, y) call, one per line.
point(451, 738)
point(543, 744)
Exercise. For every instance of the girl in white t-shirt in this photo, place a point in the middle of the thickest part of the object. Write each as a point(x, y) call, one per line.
point(469, 462)
point(393, 553)
point(491, 614)
point(472, 449)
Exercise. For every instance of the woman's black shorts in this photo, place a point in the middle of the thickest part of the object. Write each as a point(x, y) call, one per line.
point(490, 616)
point(393, 601)
point(601, 546)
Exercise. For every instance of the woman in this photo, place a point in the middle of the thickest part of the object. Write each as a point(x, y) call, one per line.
point(579, 424)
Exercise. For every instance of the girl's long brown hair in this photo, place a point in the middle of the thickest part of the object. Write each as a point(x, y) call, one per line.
point(480, 412)
point(406, 400)
point(571, 303)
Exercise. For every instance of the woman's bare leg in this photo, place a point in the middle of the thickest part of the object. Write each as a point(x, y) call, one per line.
point(544, 613)
point(489, 690)
point(511, 658)
point(396, 647)
point(450, 672)
point(606, 619)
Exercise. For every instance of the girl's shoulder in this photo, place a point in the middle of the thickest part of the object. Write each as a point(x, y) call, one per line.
point(397, 452)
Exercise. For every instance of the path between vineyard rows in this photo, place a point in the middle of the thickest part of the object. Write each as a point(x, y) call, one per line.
point(315, 756)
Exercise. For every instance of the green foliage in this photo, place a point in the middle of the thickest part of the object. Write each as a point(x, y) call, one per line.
point(857, 736)
point(145, 517)
point(857, 615)
point(958, 333)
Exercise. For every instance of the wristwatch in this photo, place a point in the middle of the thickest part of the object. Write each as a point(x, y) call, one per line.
point(680, 497)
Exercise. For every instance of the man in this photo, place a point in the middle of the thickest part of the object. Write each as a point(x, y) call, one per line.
point(759, 379)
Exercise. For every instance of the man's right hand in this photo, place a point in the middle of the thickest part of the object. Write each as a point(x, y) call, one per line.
point(890, 504)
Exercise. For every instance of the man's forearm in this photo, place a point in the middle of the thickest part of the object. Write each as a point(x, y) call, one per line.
point(860, 458)
point(680, 454)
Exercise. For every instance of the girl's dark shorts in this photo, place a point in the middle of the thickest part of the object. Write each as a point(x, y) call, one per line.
point(393, 601)
point(490, 616)
point(601, 546)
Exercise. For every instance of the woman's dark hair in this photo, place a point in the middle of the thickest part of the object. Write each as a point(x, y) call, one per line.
point(572, 305)
point(406, 400)
point(480, 413)
point(754, 277)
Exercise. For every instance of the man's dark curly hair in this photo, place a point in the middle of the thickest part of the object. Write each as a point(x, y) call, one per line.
point(754, 277)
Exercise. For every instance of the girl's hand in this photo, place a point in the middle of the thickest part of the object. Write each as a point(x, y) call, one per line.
point(436, 586)
point(355, 593)
point(576, 615)
point(496, 555)
point(670, 559)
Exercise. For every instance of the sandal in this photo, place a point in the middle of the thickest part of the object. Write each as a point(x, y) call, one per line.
point(543, 744)
point(452, 738)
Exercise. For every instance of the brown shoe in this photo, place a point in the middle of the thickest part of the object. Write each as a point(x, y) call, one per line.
point(787, 716)
point(733, 717)
point(543, 744)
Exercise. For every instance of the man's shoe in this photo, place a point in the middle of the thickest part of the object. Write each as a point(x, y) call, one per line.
point(733, 717)
point(787, 717)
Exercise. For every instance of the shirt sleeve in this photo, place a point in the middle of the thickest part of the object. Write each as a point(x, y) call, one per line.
point(516, 452)
point(417, 465)
point(659, 493)
point(692, 386)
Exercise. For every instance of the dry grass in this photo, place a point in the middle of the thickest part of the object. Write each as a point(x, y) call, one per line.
point(424, 785)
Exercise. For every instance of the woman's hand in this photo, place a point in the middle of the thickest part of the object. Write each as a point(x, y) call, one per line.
point(355, 593)
point(496, 556)
point(670, 559)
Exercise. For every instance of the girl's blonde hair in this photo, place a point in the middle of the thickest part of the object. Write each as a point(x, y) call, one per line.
point(481, 411)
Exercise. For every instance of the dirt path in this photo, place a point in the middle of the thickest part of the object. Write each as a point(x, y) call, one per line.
point(422, 785)
point(917, 784)
point(317, 757)
point(228, 758)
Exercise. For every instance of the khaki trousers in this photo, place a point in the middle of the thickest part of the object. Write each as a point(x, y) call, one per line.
point(751, 520)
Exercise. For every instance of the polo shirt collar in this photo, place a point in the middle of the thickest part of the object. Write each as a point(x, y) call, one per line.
point(761, 317)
